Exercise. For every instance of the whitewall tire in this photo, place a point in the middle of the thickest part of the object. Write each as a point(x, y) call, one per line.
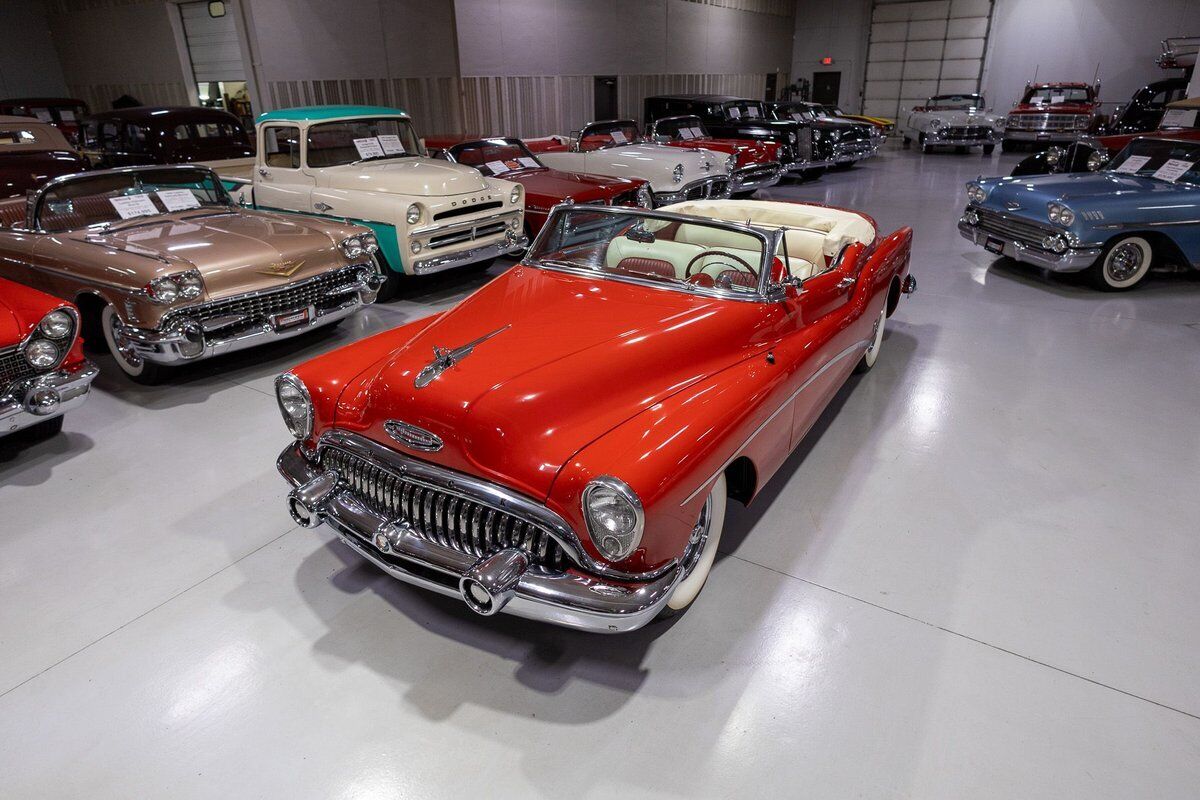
point(702, 551)
point(1124, 264)
point(137, 368)
point(872, 354)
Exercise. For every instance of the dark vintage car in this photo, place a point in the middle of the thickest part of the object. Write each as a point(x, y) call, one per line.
point(757, 163)
point(727, 117)
point(836, 141)
point(1145, 109)
point(146, 135)
point(64, 113)
point(31, 153)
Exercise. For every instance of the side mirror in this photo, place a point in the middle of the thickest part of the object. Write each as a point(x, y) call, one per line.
point(421, 144)
point(793, 287)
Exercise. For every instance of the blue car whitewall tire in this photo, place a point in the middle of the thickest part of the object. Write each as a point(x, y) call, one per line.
point(1124, 263)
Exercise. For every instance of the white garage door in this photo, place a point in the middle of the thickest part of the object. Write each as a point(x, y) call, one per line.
point(921, 49)
point(212, 44)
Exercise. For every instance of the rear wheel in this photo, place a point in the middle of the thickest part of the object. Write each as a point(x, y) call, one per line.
point(1123, 265)
point(701, 551)
point(133, 365)
point(872, 354)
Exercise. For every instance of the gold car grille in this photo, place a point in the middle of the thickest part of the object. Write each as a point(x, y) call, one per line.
point(439, 516)
point(13, 368)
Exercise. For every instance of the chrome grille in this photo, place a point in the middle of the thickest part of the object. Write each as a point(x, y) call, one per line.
point(322, 291)
point(467, 234)
point(13, 368)
point(436, 515)
point(1043, 122)
point(714, 187)
point(1011, 228)
point(968, 132)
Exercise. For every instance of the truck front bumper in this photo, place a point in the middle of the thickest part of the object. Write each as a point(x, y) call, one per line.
point(45, 397)
point(513, 242)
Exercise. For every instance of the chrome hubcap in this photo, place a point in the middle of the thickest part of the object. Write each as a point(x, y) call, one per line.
point(1124, 262)
point(124, 351)
point(698, 539)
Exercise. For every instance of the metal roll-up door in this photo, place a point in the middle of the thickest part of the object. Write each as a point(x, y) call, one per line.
point(920, 49)
point(212, 44)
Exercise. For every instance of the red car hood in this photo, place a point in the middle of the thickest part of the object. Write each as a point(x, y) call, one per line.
point(748, 152)
point(21, 308)
point(1062, 108)
point(573, 358)
point(555, 185)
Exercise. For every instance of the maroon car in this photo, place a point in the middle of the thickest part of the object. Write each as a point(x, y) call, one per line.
point(64, 113)
point(131, 137)
point(31, 153)
point(545, 188)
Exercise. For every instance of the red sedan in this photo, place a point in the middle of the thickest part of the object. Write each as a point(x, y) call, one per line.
point(561, 445)
point(545, 188)
point(43, 373)
point(758, 165)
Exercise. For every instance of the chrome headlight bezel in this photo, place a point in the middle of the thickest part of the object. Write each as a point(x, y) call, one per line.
point(936, 123)
point(645, 197)
point(731, 163)
point(167, 289)
point(370, 243)
point(1060, 214)
point(59, 324)
point(1097, 160)
point(299, 418)
point(1054, 155)
point(42, 354)
point(413, 214)
point(614, 544)
point(514, 196)
point(976, 193)
point(352, 247)
point(677, 173)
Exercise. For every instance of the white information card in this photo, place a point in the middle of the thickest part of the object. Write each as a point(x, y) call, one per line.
point(528, 162)
point(1179, 118)
point(391, 144)
point(1132, 164)
point(368, 147)
point(496, 167)
point(133, 205)
point(619, 137)
point(178, 199)
point(1173, 170)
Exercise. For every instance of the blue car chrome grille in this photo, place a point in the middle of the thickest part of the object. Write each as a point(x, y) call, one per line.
point(1013, 228)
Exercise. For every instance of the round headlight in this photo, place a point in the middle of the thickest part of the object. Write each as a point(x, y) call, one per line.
point(936, 123)
point(975, 193)
point(352, 246)
point(515, 195)
point(1052, 211)
point(413, 216)
point(614, 517)
point(816, 134)
point(369, 242)
point(1053, 156)
point(1096, 160)
point(294, 404)
point(677, 173)
point(190, 285)
point(1065, 217)
point(164, 290)
point(56, 324)
point(41, 353)
point(415, 246)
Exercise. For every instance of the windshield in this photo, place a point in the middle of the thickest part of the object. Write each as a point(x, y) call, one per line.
point(799, 113)
point(495, 156)
point(745, 109)
point(955, 101)
point(332, 144)
point(607, 134)
point(1165, 160)
point(28, 138)
point(1057, 95)
point(107, 198)
point(681, 128)
point(687, 256)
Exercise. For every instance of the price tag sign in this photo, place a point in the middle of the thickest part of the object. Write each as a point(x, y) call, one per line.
point(178, 199)
point(1179, 118)
point(1056, 99)
point(619, 137)
point(686, 133)
point(66, 114)
point(496, 167)
point(526, 161)
point(1173, 170)
point(1132, 164)
point(697, 133)
point(134, 205)
point(43, 115)
point(368, 147)
point(391, 144)
point(735, 112)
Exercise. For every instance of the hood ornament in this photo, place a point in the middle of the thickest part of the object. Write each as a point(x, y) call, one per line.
point(1012, 205)
point(282, 269)
point(412, 436)
point(444, 359)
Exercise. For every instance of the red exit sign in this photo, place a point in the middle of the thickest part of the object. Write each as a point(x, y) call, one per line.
point(826, 61)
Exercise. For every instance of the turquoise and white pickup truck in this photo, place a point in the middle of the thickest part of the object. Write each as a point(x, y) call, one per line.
point(365, 164)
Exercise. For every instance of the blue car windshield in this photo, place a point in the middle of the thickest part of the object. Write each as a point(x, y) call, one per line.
point(1164, 159)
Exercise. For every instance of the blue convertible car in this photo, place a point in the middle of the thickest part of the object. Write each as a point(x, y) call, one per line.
point(1141, 210)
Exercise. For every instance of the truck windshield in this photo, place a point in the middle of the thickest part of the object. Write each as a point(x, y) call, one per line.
point(349, 141)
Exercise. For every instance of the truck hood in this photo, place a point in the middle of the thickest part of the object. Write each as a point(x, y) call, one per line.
point(235, 251)
point(570, 358)
point(421, 177)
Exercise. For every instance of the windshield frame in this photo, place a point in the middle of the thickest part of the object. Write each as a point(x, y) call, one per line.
point(623, 123)
point(769, 238)
point(404, 120)
point(510, 141)
point(33, 208)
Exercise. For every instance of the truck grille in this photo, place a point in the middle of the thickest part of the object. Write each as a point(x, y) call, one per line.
point(467, 234)
point(1011, 228)
point(323, 291)
point(439, 516)
point(1043, 122)
point(13, 368)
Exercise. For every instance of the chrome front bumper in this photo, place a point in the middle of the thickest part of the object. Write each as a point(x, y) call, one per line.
point(931, 139)
point(194, 341)
point(569, 598)
point(710, 187)
point(1074, 259)
point(759, 176)
point(847, 153)
point(47, 396)
point(513, 242)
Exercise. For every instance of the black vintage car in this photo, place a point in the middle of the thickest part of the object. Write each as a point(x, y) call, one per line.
point(163, 135)
point(1145, 109)
point(836, 142)
point(726, 117)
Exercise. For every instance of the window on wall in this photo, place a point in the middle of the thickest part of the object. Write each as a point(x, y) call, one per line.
point(921, 49)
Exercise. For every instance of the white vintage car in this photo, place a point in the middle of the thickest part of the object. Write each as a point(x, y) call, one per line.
point(615, 148)
point(953, 120)
point(365, 164)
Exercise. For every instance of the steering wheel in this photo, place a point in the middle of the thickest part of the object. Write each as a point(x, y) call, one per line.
point(741, 265)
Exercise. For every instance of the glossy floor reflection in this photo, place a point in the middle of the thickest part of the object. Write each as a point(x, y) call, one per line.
point(975, 579)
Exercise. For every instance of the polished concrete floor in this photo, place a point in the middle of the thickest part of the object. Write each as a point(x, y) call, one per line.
point(977, 578)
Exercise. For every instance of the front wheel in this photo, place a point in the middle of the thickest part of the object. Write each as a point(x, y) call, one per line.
point(1123, 264)
point(133, 365)
point(868, 358)
point(701, 551)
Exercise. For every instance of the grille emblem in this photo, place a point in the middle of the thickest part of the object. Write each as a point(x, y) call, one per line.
point(444, 359)
point(412, 436)
point(282, 269)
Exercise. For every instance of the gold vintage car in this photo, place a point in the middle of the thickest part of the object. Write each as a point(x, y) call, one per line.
point(167, 269)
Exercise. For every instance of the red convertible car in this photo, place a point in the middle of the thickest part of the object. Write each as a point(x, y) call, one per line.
point(758, 165)
point(561, 445)
point(43, 373)
point(545, 188)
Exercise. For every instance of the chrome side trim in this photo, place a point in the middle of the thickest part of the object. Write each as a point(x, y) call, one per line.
point(856, 347)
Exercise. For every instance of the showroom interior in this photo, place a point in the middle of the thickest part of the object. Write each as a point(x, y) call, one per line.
point(533, 398)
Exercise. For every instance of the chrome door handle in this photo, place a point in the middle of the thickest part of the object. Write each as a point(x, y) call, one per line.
point(845, 283)
point(322, 206)
point(264, 171)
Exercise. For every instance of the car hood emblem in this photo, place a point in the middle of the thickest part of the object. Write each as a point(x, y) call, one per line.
point(1012, 205)
point(282, 269)
point(412, 436)
point(444, 359)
